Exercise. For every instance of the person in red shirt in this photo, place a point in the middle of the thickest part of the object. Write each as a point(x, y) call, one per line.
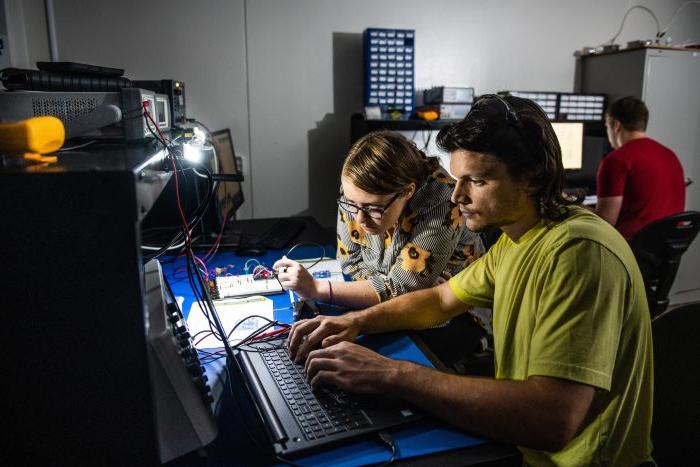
point(641, 180)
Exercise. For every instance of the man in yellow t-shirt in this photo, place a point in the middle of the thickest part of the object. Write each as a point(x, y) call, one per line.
point(572, 336)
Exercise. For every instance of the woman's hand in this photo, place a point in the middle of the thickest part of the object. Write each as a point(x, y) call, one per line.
point(294, 276)
point(442, 278)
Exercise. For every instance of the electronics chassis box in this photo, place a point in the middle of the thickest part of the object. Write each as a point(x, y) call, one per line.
point(175, 90)
point(92, 352)
point(452, 111)
point(134, 100)
point(448, 95)
point(67, 106)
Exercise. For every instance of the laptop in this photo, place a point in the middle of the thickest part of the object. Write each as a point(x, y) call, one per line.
point(298, 420)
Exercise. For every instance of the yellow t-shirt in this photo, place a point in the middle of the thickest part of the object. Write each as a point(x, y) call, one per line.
point(568, 302)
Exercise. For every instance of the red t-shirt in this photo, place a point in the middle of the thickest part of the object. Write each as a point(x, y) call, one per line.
point(649, 177)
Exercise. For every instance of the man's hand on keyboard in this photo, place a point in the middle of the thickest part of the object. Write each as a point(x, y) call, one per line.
point(322, 331)
point(350, 367)
point(294, 276)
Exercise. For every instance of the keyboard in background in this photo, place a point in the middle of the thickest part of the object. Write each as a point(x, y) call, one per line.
point(229, 240)
point(281, 233)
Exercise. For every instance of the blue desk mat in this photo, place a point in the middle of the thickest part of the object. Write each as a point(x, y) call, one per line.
point(424, 437)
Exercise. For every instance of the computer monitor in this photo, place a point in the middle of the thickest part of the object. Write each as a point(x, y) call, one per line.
point(570, 136)
point(595, 147)
point(229, 196)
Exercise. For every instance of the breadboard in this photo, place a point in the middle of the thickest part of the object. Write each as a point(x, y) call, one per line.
point(245, 285)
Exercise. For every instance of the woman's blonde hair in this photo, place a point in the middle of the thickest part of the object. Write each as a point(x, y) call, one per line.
point(384, 162)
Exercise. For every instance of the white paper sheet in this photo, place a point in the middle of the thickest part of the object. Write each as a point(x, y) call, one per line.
point(231, 311)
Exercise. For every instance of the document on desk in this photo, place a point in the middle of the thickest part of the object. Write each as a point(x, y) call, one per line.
point(232, 311)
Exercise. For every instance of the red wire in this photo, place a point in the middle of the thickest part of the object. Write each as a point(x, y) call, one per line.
point(271, 333)
point(206, 271)
point(218, 239)
point(186, 227)
point(188, 240)
point(146, 105)
point(224, 222)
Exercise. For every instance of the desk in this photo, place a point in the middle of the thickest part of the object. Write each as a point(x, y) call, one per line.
point(425, 438)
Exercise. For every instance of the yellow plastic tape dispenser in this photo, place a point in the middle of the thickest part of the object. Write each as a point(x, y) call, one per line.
point(32, 138)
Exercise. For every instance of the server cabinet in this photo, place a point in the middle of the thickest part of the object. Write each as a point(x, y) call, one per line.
point(666, 79)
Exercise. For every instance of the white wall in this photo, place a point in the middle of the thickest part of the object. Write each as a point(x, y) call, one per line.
point(201, 43)
point(301, 97)
point(288, 101)
point(26, 32)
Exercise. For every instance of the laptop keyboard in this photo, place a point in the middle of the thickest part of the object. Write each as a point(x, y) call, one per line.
point(319, 414)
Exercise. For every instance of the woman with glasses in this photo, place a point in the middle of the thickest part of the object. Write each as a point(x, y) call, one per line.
point(397, 230)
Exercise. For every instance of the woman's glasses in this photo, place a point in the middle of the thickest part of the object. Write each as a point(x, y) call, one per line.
point(374, 212)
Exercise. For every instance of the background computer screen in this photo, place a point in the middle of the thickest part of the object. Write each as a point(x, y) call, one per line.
point(229, 196)
point(570, 136)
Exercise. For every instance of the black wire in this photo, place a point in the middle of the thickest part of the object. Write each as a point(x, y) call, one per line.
point(258, 346)
point(207, 303)
point(213, 316)
point(79, 146)
point(245, 341)
point(178, 237)
point(191, 263)
point(202, 207)
point(202, 295)
point(156, 135)
point(229, 350)
point(257, 332)
point(387, 440)
point(213, 313)
point(138, 109)
point(236, 400)
point(196, 217)
point(208, 333)
point(204, 306)
point(201, 291)
point(318, 260)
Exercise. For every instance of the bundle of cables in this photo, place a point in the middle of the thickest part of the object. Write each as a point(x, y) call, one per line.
point(193, 264)
point(262, 339)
